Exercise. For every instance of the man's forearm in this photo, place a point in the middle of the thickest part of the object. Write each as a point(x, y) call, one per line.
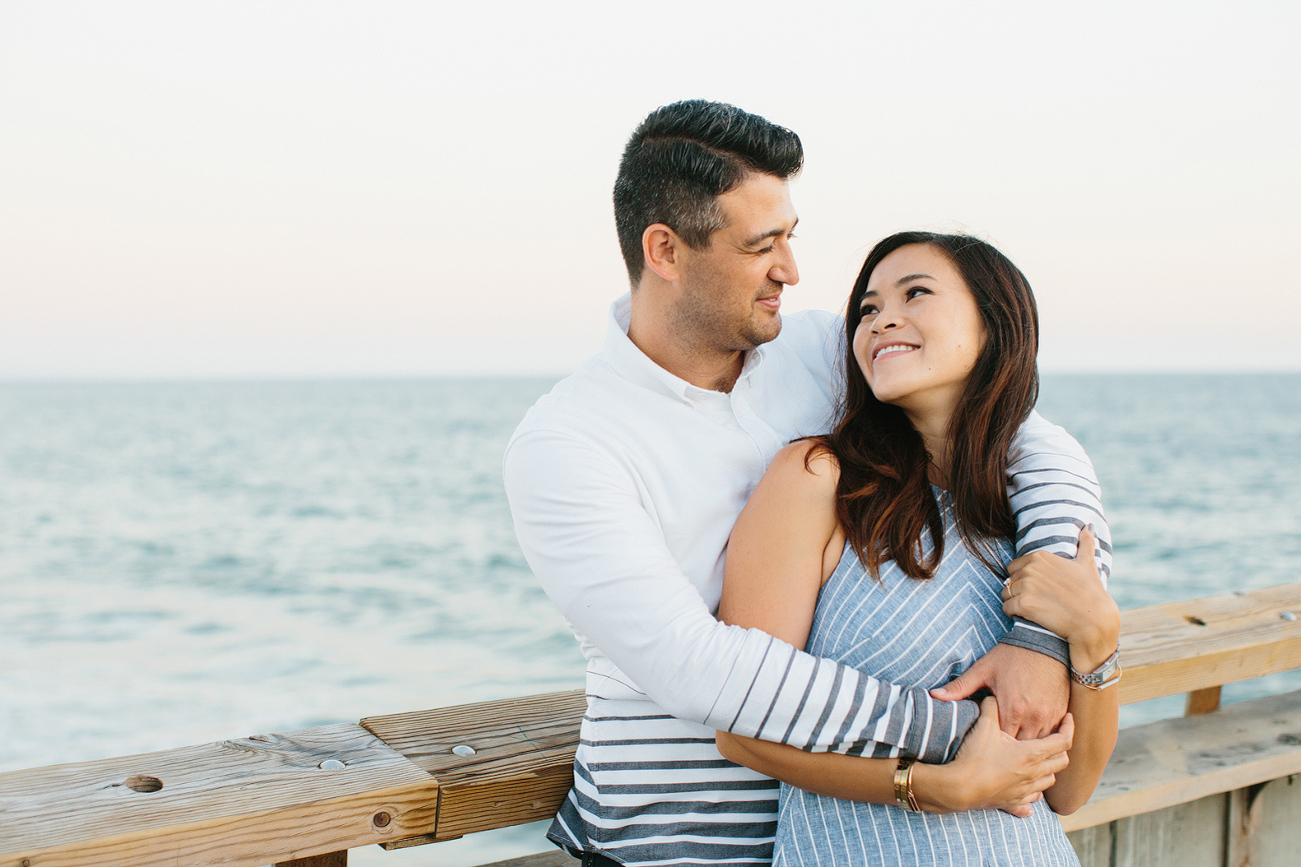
point(818, 706)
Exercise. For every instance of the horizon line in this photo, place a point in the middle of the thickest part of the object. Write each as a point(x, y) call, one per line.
point(232, 379)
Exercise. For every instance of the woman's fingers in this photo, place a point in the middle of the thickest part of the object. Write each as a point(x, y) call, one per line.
point(1067, 729)
point(988, 713)
point(1088, 544)
point(1000, 772)
point(1047, 748)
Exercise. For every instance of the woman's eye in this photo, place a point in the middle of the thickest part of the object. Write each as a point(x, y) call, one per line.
point(867, 310)
point(918, 290)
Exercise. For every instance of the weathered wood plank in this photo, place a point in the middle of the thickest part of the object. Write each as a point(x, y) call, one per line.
point(1276, 811)
point(249, 802)
point(521, 768)
point(1187, 835)
point(1093, 845)
point(1175, 761)
point(1243, 826)
point(1200, 643)
point(494, 729)
point(334, 859)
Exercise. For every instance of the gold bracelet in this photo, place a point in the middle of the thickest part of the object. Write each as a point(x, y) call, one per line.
point(904, 796)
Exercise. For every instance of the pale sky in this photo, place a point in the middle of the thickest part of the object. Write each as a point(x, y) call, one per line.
point(372, 189)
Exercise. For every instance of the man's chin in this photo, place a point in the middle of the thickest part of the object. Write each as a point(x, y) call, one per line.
point(764, 332)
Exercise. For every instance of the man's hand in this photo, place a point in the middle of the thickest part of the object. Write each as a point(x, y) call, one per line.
point(993, 770)
point(1032, 689)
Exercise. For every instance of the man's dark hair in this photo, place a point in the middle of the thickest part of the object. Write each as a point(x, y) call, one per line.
point(681, 159)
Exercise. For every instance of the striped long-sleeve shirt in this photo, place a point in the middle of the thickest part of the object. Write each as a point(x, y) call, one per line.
point(624, 483)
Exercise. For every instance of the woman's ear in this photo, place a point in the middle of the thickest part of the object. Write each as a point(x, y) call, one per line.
point(662, 248)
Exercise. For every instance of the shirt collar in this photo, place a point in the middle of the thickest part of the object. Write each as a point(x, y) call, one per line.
point(633, 364)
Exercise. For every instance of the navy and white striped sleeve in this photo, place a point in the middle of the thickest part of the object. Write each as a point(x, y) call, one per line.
point(1055, 494)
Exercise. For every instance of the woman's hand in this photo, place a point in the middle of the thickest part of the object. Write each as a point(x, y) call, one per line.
point(993, 770)
point(1067, 597)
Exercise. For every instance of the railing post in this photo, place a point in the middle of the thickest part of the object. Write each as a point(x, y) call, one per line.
point(1202, 701)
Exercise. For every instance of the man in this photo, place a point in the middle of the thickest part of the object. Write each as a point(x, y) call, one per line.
point(625, 481)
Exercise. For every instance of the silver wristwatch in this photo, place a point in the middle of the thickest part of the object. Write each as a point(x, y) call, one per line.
point(1103, 676)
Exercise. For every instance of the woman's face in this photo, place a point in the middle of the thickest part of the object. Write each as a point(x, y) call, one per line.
point(921, 331)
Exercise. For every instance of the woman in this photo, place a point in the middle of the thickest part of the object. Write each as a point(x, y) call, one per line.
point(883, 545)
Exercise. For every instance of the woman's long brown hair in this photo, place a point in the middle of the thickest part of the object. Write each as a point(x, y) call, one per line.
point(885, 501)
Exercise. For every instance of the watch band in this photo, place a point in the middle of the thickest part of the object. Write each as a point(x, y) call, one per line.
point(1103, 676)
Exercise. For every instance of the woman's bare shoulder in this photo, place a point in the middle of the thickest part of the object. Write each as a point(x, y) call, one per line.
point(807, 466)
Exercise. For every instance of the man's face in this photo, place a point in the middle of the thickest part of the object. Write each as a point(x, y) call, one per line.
point(732, 288)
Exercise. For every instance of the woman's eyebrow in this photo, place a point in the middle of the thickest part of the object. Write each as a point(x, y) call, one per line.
point(910, 277)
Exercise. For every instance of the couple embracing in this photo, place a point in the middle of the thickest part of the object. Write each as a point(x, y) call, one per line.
point(792, 547)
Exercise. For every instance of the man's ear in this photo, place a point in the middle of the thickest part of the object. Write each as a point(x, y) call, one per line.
point(662, 249)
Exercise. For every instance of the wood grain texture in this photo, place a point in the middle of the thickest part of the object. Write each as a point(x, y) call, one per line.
point(1242, 835)
point(250, 802)
point(334, 859)
point(1093, 845)
point(1176, 761)
point(1200, 643)
point(1187, 835)
point(1276, 820)
point(522, 767)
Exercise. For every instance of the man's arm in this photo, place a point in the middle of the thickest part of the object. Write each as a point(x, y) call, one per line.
point(1054, 494)
point(604, 563)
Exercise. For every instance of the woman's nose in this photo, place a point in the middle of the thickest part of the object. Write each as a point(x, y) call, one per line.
point(885, 320)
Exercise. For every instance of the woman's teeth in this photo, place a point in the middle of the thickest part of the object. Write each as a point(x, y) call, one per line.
point(898, 347)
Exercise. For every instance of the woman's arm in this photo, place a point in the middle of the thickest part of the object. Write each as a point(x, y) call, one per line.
point(777, 556)
point(993, 770)
point(1066, 597)
point(785, 543)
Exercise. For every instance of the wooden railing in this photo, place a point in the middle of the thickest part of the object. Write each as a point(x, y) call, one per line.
point(304, 798)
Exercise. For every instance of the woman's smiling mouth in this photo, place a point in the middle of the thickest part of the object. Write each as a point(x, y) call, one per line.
point(892, 349)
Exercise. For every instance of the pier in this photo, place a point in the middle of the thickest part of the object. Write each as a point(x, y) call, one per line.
point(1219, 787)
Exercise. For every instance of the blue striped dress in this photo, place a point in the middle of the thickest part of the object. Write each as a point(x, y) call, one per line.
point(919, 633)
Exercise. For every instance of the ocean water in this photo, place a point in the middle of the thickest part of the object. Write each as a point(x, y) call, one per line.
point(187, 562)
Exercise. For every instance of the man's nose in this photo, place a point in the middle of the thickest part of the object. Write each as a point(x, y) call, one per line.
point(785, 270)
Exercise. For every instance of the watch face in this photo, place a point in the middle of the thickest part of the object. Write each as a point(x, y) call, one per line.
point(1104, 672)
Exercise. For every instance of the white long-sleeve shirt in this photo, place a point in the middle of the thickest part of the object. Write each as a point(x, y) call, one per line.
point(624, 483)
